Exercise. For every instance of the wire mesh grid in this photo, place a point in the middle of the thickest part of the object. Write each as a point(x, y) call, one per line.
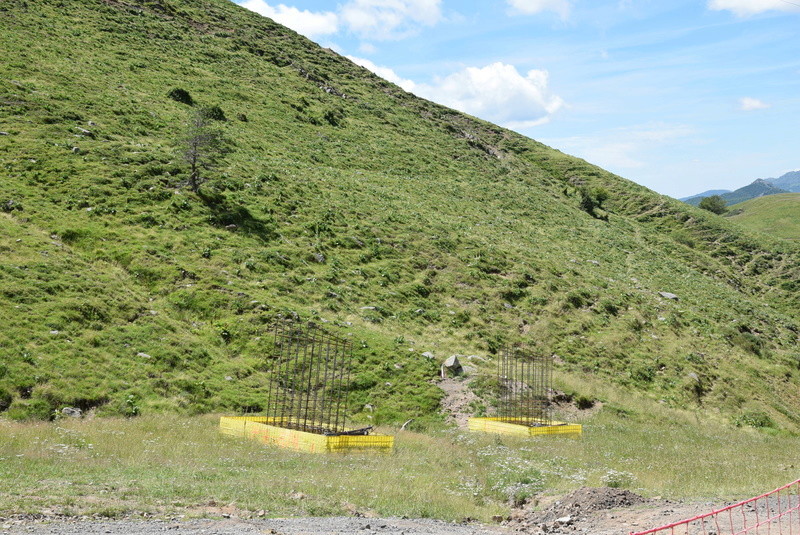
point(525, 380)
point(310, 380)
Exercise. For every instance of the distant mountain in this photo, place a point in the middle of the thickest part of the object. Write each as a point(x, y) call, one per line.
point(759, 188)
point(789, 181)
point(786, 183)
point(709, 193)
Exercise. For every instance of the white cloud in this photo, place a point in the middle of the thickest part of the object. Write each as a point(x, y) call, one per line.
point(497, 93)
point(743, 8)
point(379, 20)
point(532, 7)
point(624, 148)
point(308, 23)
point(389, 19)
point(750, 104)
point(367, 48)
point(384, 72)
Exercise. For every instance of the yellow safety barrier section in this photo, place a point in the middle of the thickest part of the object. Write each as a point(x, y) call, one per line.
point(496, 425)
point(260, 428)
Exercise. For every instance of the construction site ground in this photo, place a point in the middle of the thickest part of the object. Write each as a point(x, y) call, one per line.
point(597, 511)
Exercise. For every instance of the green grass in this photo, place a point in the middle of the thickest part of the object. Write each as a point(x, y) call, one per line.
point(181, 465)
point(393, 221)
point(775, 215)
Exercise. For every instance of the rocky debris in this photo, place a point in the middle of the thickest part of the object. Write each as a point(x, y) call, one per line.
point(667, 295)
point(72, 412)
point(10, 206)
point(428, 355)
point(452, 365)
point(572, 512)
point(84, 132)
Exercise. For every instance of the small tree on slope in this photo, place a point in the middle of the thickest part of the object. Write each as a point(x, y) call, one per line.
point(714, 203)
point(202, 147)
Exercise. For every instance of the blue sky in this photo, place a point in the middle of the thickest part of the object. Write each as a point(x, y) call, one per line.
point(680, 96)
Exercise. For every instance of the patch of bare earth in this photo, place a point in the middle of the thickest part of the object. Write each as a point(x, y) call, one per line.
point(457, 401)
point(601, 511)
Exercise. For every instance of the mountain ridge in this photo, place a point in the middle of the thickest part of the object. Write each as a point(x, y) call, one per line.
point(786, 183)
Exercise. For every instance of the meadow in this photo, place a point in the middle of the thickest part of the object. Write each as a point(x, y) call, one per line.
point(774, 215)
point(179, 465)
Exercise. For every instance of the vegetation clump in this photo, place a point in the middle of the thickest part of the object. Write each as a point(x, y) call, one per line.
point(181, 95)
point(714, 204)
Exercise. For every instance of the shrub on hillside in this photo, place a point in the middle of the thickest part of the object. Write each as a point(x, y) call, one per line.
point(5, 399)
point(757, 419)
point(180, 95)
point(714, 203)
point(214, 113)
point(592, 199)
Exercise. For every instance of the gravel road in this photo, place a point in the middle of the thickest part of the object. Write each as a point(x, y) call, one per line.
point(585, 511)
point(278, 526)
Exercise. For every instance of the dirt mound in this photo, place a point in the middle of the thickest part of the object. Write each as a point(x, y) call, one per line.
point(586, 500)
point(580, 508)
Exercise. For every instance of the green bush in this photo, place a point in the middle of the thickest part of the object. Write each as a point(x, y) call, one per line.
point(714, 204)
point(181, 95)
point(214, 113)
point(757, 419)
point(5, 399)
point(30, 409)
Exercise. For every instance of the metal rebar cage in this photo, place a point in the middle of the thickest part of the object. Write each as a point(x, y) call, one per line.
point(310, 380)
point(525, 382)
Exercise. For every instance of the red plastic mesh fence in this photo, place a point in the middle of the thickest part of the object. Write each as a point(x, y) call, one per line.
point(774, 513)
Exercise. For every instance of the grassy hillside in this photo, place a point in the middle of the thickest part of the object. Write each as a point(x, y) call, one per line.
point(345, 200)
point(776, 215)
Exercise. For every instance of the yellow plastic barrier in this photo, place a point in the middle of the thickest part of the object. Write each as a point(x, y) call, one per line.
point(496, 425)
point(269, 431)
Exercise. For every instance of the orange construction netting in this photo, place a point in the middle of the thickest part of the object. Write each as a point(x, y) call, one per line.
point(774, 513)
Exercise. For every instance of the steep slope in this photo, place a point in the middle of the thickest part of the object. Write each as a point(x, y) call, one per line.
point(400, 223)
point(776, 215)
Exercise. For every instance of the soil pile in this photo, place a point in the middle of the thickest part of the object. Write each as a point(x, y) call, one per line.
point(576, 512)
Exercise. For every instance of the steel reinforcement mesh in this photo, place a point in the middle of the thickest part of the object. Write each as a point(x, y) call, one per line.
point(774, 513)
point(524, 380)
point(310, 379)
